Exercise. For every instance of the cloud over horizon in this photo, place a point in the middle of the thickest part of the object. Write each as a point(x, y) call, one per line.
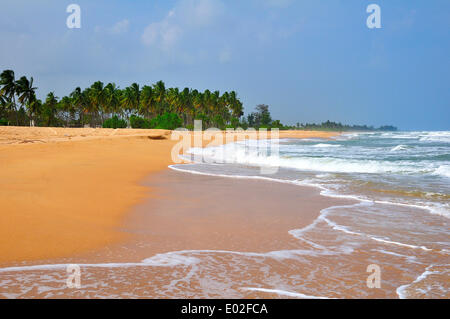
point(183, 20)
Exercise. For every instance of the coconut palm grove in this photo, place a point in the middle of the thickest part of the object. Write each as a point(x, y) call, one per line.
point(149, 106)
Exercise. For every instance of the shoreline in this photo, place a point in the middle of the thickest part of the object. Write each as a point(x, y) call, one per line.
point(190, 219)
point(61, 189)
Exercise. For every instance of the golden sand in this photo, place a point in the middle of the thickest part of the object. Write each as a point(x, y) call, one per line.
point(67, 190)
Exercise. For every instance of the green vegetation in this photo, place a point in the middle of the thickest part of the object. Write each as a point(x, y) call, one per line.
point(139, 122)
point(261, 118)
point(152, 106)
point(333, 126)
point(114, 122)
point(167, 121)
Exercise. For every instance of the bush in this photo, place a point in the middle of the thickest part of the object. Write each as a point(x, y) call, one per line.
point(219, 122)
point(234, 123)
point(167, 121)
point(277, 124)
point(3, 122)
point(139, 122)
point(114, 122)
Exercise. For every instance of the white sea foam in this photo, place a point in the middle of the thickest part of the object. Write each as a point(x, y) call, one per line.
point(439, 137)
point(399, 148)
point(321, 145)
point(239, 154)
point(398, 244)
point(402, 290)
point(170, 259)
point(410, 259)
point(64, 266)
point(236, 155)
point(283, 293)
point(347, 230)
point(443, 170)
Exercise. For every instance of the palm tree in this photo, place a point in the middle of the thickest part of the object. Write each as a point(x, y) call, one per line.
point(136, 96)
point(79, 102)
point(8, 90)
point(130, 98)
point(34, 108)
point(197, 101)
point(235, 105)
point(172, 99)
point(186, 104)
point(68, 109)
point(147, 103)
point(112, 98)
point(97, 97)
point(160, 94)
point(26, 94)
point(50, 108)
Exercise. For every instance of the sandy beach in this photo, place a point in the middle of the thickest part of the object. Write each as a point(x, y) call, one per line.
point(67, 191)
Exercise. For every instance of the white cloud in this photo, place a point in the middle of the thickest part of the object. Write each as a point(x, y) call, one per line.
point(163, 34)
point(121, 27)
point(186, 17)
point(118, 28)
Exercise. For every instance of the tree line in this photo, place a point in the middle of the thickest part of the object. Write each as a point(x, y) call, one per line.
point(148, 106)
point(333, 126)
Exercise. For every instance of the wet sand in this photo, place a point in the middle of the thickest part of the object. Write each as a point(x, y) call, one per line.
point(194, 212)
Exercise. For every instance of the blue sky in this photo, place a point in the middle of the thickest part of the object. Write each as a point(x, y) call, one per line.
point(310, 60)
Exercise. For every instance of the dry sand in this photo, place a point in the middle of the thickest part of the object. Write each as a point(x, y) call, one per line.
point(65, 191)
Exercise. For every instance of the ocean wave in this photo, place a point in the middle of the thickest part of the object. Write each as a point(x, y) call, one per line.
point(439, 137)
point(326, 145)
point(283, 293)
point(443, 170)
point(399, 148)
point(175, 258)
point(402, 291)
point(320, 164)
point(298, 157)
point(435, 139)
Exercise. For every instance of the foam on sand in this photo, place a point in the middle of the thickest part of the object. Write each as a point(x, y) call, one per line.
point(283, 293)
